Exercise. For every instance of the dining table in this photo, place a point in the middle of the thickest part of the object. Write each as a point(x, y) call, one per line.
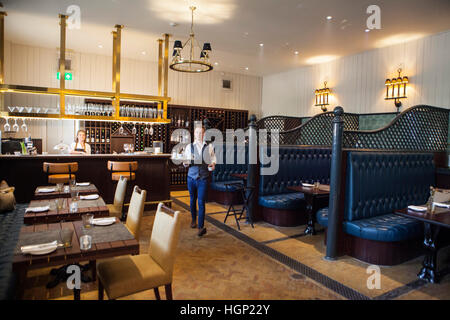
point(52, 192)
point(107, 241)
point(316, 198)
point(97, 207)
point(433, 222)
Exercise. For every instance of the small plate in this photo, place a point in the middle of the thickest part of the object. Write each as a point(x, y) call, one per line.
point(43, 251)
point(307, 185)
point(103, 223)
point(46, 190)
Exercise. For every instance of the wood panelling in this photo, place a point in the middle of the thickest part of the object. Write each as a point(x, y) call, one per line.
point(357, 81)
point(28, 65)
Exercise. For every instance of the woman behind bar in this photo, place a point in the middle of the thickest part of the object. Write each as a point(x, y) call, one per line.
point(198, 174)
point(80, 146)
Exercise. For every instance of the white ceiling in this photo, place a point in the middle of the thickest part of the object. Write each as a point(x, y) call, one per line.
point(235, 28)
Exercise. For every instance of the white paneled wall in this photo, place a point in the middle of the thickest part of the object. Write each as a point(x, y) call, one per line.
point(28, 65)
point(357, 81)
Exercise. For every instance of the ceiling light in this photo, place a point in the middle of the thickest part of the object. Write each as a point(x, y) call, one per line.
point(329, 17)
point(296, 52)
point(100, 46)
point(144, 53)
point(216, 63)
point(173, 24)
point(246, 68)
point(190, 63)
point(367, 30)
point(261, 44)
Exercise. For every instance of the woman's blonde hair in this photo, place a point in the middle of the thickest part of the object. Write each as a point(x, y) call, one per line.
point(78, 132)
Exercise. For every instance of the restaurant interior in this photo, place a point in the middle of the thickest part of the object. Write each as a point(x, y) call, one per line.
point(327, 177)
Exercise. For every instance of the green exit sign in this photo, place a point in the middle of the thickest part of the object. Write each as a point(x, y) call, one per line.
point(68, 75)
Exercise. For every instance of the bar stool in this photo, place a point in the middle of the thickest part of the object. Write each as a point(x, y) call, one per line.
point(246, 195)
point(60, 172)
point(124, 169)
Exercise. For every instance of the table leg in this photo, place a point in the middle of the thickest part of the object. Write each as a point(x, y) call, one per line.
point(93, 267)
point(429, 269)
point(76, 294)
point(310, 229)
point(21, 273)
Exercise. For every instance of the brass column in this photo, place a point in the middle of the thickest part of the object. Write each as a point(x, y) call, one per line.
point(166, 62)
point(114, 62)
point(117, 67)
point(160, 65)
point(62, 63)
point(2, 54)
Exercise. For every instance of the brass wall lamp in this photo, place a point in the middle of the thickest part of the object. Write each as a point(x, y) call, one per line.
point(396, 89)
point(322, 97)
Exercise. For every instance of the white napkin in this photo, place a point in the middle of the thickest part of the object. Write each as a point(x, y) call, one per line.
point(38, 209)
point(442, 205)
point(39, 247)
point(307, 185)
point(47, 190)
point(103, 220)
point(89, 197)
point(417, 208)
point(83, 184)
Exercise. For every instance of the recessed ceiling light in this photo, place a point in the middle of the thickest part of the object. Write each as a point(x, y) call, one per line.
point(100, 46)
point(216, 63)
point(329, 17)
point(246, 68)
point(367, 30)
point(173, 24)
point(144, 53)
point(296, 52)
point(261, 44)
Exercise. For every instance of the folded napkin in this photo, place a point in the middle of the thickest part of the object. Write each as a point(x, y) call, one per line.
point(442, 205)
point(83, 184)
point(307, 185)
point(89, 197)
point(417, 208)
point(38, 209)
point(101, 221)
point(47, 190)
point(39, 247)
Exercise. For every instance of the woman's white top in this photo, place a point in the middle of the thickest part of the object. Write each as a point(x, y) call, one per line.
point(76, 145)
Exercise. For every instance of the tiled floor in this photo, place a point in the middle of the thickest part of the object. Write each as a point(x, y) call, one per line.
point(264, 262)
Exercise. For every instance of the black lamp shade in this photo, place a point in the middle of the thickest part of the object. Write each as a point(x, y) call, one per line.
point(207, 46)
point(174, 53)
point(202, 54)
point(178, 45)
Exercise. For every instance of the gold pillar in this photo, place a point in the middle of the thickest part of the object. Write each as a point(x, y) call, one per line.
point(62, 63)
point(114, 62)
point(160, 65)
point(117, 67)
point(2, 55)
point(166, 62)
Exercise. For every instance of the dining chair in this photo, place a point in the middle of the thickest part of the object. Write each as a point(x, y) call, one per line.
point(135, 211)
point(123, 276)
point(60, 172)
point(116, 208)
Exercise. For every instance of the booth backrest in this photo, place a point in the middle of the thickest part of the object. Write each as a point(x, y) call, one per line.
point(222, 171)
point(296, 165)
point(381, 182)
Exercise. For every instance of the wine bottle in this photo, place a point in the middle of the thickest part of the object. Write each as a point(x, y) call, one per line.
point(107, 136)
point(103, 135)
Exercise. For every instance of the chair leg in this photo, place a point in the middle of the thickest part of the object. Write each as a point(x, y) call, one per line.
point(168, 288)
point(158, 297)
point(101, 290)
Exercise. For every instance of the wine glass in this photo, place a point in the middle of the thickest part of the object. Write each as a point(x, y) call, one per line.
point(11, 109)
point(121, 128)
point(24, 126)
point(7, 127)
point(146, 130)
point(151, 130)
point(15, 126)
point(29, 109)
point(20, 109)
point(133, 131)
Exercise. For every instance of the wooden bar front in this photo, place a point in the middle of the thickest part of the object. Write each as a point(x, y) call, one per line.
point(25, 173)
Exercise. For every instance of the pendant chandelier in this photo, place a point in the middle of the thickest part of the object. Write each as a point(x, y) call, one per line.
point(191, 64)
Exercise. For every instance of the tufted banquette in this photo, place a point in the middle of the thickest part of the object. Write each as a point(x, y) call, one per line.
point(377, 184)
point(281, 206)
point(221, 176)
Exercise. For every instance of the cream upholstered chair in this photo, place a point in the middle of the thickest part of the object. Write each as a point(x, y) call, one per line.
point(116, 208)
point(135, 211)
point(123, 276)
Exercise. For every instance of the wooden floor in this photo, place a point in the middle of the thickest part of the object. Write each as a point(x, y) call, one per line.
point(226, 264)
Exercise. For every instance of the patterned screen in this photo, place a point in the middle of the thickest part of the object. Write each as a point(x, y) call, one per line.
point(419, 128)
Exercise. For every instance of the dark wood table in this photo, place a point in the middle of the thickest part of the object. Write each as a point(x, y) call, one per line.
point(82, 190)
point(97, 207)
point(73, 255)
point(433, 224)
point(315, 200)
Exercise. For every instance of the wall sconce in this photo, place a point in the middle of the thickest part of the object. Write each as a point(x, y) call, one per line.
point(322, 97)
point(396, 89)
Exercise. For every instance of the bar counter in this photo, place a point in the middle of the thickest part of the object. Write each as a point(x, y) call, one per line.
point(25, 173)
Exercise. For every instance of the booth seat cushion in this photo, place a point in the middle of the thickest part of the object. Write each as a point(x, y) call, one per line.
point(388, 227)
point(220, 185)
point(322, 217)
point(286, 201)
